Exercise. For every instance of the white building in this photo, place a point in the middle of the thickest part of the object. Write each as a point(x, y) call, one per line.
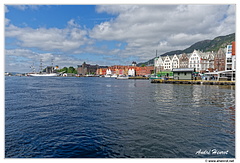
point(194, 60)
point(158, 64)
point(108, 72)
point(201, 61)
point(167, 63)
point(131, 72)
point(230, 59)
point(207, 61)
point(175, 62)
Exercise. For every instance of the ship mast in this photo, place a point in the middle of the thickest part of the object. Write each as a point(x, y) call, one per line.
point(154, 64)
point(33, 68)
point(41, 66)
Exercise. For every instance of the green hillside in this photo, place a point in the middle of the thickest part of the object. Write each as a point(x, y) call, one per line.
point(206, 45)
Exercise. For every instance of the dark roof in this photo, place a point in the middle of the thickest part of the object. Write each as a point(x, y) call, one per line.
point(183, 70)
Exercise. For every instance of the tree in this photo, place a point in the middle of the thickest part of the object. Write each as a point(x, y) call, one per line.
point(71, 69)
point(64, 69)
point(68, 70)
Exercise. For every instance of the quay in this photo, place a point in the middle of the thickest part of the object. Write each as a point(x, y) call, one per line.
point(139, 77)
point(204, 82)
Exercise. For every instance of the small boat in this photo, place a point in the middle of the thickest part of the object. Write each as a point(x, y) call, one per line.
point(107, 76)
point(155, 77)
point(114, 76)
point(89, 75)
point(122, 77)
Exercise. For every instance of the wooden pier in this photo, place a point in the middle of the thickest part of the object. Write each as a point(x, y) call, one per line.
point(204, 82)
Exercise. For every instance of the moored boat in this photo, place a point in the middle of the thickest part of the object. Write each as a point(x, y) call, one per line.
point(44, 75)
point(107, 76)
point(155, 77)
point(48, 73)
point(122, 77)
point(114, 76)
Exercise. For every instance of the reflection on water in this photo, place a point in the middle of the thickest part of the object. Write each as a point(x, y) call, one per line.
point(101, 117)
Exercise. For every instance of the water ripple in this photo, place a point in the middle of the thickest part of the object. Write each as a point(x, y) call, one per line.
point(108, 118)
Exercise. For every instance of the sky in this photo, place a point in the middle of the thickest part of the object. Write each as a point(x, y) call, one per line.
point(107, 34)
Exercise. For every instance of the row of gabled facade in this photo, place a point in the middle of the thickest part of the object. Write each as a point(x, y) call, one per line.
point(200, 61)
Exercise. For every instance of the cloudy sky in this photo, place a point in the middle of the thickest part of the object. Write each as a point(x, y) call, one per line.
point(107, 34)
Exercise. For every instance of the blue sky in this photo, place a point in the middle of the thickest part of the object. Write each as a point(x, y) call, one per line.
point(50, 16)
point(106, 34)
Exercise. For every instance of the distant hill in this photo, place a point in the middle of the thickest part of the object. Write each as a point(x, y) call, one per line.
point(206, 45)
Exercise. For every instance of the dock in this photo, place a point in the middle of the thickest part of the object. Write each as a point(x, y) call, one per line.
point(139, 77)
point(204, 82)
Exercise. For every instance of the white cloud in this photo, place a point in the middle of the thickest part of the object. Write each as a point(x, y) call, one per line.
point(25, 7)
point(72, 23)
point(7, 21)
point(163, 27)
point(21, 60)
point(21, 52)
point(66, 40)
point(6, 9)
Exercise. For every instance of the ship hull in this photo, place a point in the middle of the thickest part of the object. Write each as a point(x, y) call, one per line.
point(43, 75)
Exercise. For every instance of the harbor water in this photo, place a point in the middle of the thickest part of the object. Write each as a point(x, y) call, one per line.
point(68, 117)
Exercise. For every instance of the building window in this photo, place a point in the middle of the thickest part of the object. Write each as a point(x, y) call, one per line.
point(229, 60)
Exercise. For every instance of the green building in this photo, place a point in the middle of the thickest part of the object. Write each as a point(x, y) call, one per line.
point(183, 73)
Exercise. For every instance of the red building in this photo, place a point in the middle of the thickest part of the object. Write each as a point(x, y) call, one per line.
point(233, 48)
point(123, 70)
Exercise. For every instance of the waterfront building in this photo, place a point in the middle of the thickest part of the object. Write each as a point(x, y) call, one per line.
point(219, 60)
point(207, 62)
point(131, 72)
point(183, 73)
point(49, 69)
point(231, 61)
point(158, 64)
point(108, 72)
point(167, 63)
point(184, 60)
point(144, 71)
point(134, 63)
point(102, 70)
point(201, 61)
point(230, 57)
point(87, 69)
point(194, 60)
point(175, 62)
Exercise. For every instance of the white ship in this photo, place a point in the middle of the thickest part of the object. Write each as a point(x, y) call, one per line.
point(49, 73)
